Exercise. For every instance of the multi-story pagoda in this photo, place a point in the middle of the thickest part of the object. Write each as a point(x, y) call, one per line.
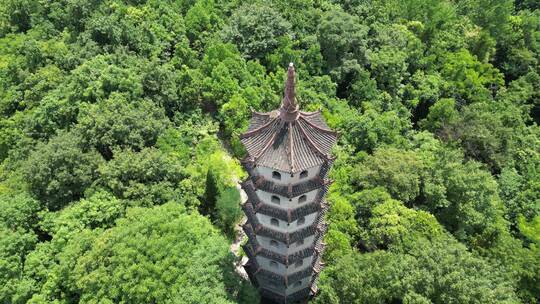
point(289, 156)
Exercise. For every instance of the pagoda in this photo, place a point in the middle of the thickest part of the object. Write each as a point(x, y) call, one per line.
point(288, 159)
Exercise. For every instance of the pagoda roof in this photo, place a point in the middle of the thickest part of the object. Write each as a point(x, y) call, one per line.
point(288, 139)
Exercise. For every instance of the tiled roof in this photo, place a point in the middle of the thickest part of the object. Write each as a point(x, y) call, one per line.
point(288, 139)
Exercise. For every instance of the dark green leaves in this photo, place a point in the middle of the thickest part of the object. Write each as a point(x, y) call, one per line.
point(59, 171)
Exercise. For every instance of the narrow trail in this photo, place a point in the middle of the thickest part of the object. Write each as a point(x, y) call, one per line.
point(239, 237)
point(239, 232)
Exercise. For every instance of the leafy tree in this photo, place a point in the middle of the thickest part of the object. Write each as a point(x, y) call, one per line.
point(433, 271)
point(145, 178)
point(530, 229)
point(392, 55)
point(14, 245)
point(490, 132)
point(19, 15)
point(373, 129)
point(210, 194)
point(117, 123)
point(463, 196)
point(150, 29)
point(49, 271)
point(19, 211)
point(494, 20)
point(399, 171)
point(256, 30)
point(468, 79)
point(202, 20)
point(441, 117)
point(343, 44)
point(59, 171)
point(228, 210)
point(342, 215)
point(520, 195)
point(338, 244)
point(100, 210)
point(391, 223)
point(190, 265)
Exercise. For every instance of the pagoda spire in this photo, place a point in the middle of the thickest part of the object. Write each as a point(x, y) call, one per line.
point(289, 107)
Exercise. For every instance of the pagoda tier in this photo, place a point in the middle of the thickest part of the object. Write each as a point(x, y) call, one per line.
point(288, 160)
point(287, 260)
point(283, 280)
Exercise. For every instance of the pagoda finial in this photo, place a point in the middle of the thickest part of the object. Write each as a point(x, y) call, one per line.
point(288, 104)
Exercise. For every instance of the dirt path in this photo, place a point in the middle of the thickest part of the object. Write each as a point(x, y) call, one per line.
point(239, 233)
point(239, 237)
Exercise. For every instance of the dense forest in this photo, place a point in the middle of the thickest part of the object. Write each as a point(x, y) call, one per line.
point(119, 147)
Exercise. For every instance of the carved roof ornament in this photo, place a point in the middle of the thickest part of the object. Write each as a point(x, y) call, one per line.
point(288, 139)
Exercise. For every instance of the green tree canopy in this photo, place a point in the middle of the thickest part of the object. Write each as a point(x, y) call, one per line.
point(59, 171)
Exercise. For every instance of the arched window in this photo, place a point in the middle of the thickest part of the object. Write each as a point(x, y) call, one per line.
point(300, 242)
point(301, 221)
point(302, 199)
point(275, 199)
point(297, 283)
point(273, 264)
point(276, 175)
point(274, 243)
point(274, 222)
point(303, 174)
point(299, 263)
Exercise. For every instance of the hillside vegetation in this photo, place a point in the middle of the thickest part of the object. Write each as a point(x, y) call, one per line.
point(116, 186)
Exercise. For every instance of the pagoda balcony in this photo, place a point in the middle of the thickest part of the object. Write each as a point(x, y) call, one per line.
point(315, 268)
point(266, 231)
point(284, 280)
point(248, 267)
point(251, 255)
point(301, 294)
point(272, 295)
point(249, 166)
point(252, 237)
point(317, 263)
point(288, 215)
point(314, 280)
point(287, 260)
point(289, 191)
point(250, 213)
point(318, 226)
point(300, 275)
point(325, 168)
point(271, 276)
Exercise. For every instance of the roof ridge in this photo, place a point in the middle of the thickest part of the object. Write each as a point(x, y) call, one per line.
point(248, 133)
point(266, 146)
point(311, 143)
point(290, 148)
point(259, 113)
point(309, 114)
point(318, 127)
